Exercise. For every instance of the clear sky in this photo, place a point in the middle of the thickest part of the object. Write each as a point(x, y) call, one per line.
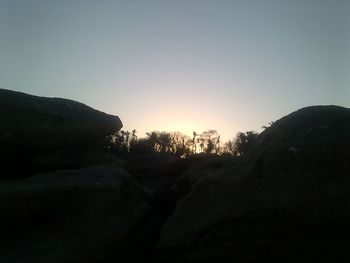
point(180, 65)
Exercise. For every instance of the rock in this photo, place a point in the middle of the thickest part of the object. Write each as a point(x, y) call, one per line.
point(277, 204)
point(32, 127)
point(158, 173)
point(155, 171)
point(310, 137)
point(72, 216)
point(49, 123)
point(99, 158)
point(48, 164)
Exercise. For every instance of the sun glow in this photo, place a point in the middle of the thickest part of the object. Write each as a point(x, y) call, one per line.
point(184, 128)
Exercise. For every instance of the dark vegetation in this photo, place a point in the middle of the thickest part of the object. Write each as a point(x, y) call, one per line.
point(125, 144)
point(106, 195)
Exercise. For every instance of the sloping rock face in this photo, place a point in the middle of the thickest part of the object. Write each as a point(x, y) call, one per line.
point(288, 200)
point(46, 123)
point(32, 126)
point(315, 136)
point(80, 215)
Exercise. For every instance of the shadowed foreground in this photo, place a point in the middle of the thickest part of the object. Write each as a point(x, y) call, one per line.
point(286, 200)
point(289, 200)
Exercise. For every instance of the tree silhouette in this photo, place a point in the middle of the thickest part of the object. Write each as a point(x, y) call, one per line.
point(217, 145)
point(229, 147)
point(165, 142)
point(125, 143)
point(133, 134)
point(152, 138)
point(209, 140)
point(194, 142)
point(141, 146)
point(133, 140)
point(201, 144)
point(243, 142)
point(181, 144)
point(210, 146)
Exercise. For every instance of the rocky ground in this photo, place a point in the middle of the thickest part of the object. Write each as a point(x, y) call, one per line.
point(62, 200)
point(287, 201)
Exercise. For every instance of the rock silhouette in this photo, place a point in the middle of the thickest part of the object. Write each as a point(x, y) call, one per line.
point(71, 215)
point(287, 201)
point(92, 213)
point(33, 126)
point(49, 123)
point(284, 200)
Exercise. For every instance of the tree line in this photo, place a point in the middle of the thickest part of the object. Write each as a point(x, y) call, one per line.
point(126, 143)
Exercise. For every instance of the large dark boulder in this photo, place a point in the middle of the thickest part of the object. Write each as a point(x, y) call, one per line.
point(84, 215)
point(316, 136)
point(49, 123)
point(33, 127)
point(288, 201)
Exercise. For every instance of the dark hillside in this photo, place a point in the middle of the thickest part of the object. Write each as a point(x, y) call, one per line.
point(289, 200)
point(316, 136)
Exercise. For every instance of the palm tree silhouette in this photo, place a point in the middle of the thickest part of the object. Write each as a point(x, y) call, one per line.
point(194, 144)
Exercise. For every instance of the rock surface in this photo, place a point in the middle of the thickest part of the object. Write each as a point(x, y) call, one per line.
point(288, 201)
point(157, 173)
point(49, 123)
point(32, 127)
point(79, 215)
point(316, 136)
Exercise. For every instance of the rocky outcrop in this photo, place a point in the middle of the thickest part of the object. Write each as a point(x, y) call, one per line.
point(314, 136)
point(41, 123)
point(32, 127)
point(287, 201)
point(82, 215)
point(94, 213)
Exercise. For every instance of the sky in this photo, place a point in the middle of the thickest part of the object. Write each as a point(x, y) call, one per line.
point(180, 65)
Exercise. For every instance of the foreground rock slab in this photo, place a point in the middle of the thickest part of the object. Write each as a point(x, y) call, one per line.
point(72, 216)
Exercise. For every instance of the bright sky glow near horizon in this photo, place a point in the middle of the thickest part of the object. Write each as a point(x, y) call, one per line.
point(180, 65)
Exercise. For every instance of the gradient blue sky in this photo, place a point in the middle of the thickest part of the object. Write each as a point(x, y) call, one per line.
point(180, 65)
